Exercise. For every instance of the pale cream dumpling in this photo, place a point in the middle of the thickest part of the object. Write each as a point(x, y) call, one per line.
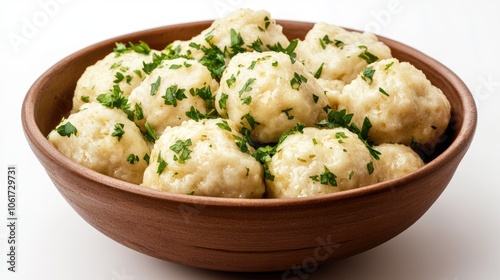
point(268, 94)
point(206, 158)
point(396, 160)
point(332, 52)
point(115, 69)
point(400, 102)
point(240, 31)
point(320, 161)
point(104, 140)
point(174, 88)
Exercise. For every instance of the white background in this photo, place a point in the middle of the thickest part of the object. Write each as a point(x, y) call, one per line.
point(457, 239)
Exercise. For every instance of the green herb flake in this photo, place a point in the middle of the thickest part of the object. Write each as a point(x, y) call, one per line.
point(267, 21)
point(138, 111)
point(318, 72)
point(119, 77)
point(351, 174)
point(274, 64)
point(138, 73)
point(247, 86)
point(180, 147)
point(174, 94)
point(366, 55)
point(287, 113)
point(175, 66)
point(231, 81)
point(146, 158)
point(224, 125)
point(66, 129)
point(367, 74)
point(150, 134)
point(142, 47)
point(155, 86)
point(251, 121)
point(118, 132)
point(297, 80)
point(241, 143)
point(162, 164)
point(325, 178)
point(381, 90)
point(370, 167)
point(85, 98)
point(223, 101)
point(389, 65)
point(132, 159)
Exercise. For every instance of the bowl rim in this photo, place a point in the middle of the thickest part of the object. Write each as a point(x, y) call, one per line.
point(462, 140)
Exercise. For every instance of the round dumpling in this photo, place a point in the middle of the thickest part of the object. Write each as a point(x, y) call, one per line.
point(400, 102)
point(206, 158)
point(123, 69)
point(177, 90)
point(240, 31)
point(332, 52)
point(268, 94)
point(396, 160)
point(104, 140)
point(320, 161)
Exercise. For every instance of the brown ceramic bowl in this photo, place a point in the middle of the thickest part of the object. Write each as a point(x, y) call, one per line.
point(243, 234)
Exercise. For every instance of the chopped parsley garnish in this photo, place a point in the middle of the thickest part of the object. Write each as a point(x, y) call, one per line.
point(326, 178)
point(231, 81)
point(250, 120)
point(141, 47)
point(383, 91)
point(257, 45)
point(246, 101)
point(370, 167)
point(119, 77)
point(326, 40)
point(150, 134)
point(138, 111)
point(174, 94)
point(85, 98)
point(66, 129)
point(118, 132)
point(317, 75)
point(247, 86)
point(132, 159)
point(155, 86)
point(288, 50)
point(213, 59)
point(267, 21)
point(157, 60)
point(115, 99)
point(241, 142)
point(366, 55)
point(196, 115)
point(162, 164)
point(204, 93)
point(181, 149)
point(236, 44)
point(342, 119)
point(297, 80)
point(175, 66)
point(224, 125)
point(223, 100)
point(367, 74)
point(146, 158)
point(287, 113)
point(389, 65)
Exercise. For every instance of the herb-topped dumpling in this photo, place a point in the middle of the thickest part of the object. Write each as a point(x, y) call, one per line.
point(105, 140)
point(121, 68)
point(207, 158)
point(177, 90)
point(331, 52)
point(243, 30)
point(268, 93)
point(400, 102)
point(319, 161)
